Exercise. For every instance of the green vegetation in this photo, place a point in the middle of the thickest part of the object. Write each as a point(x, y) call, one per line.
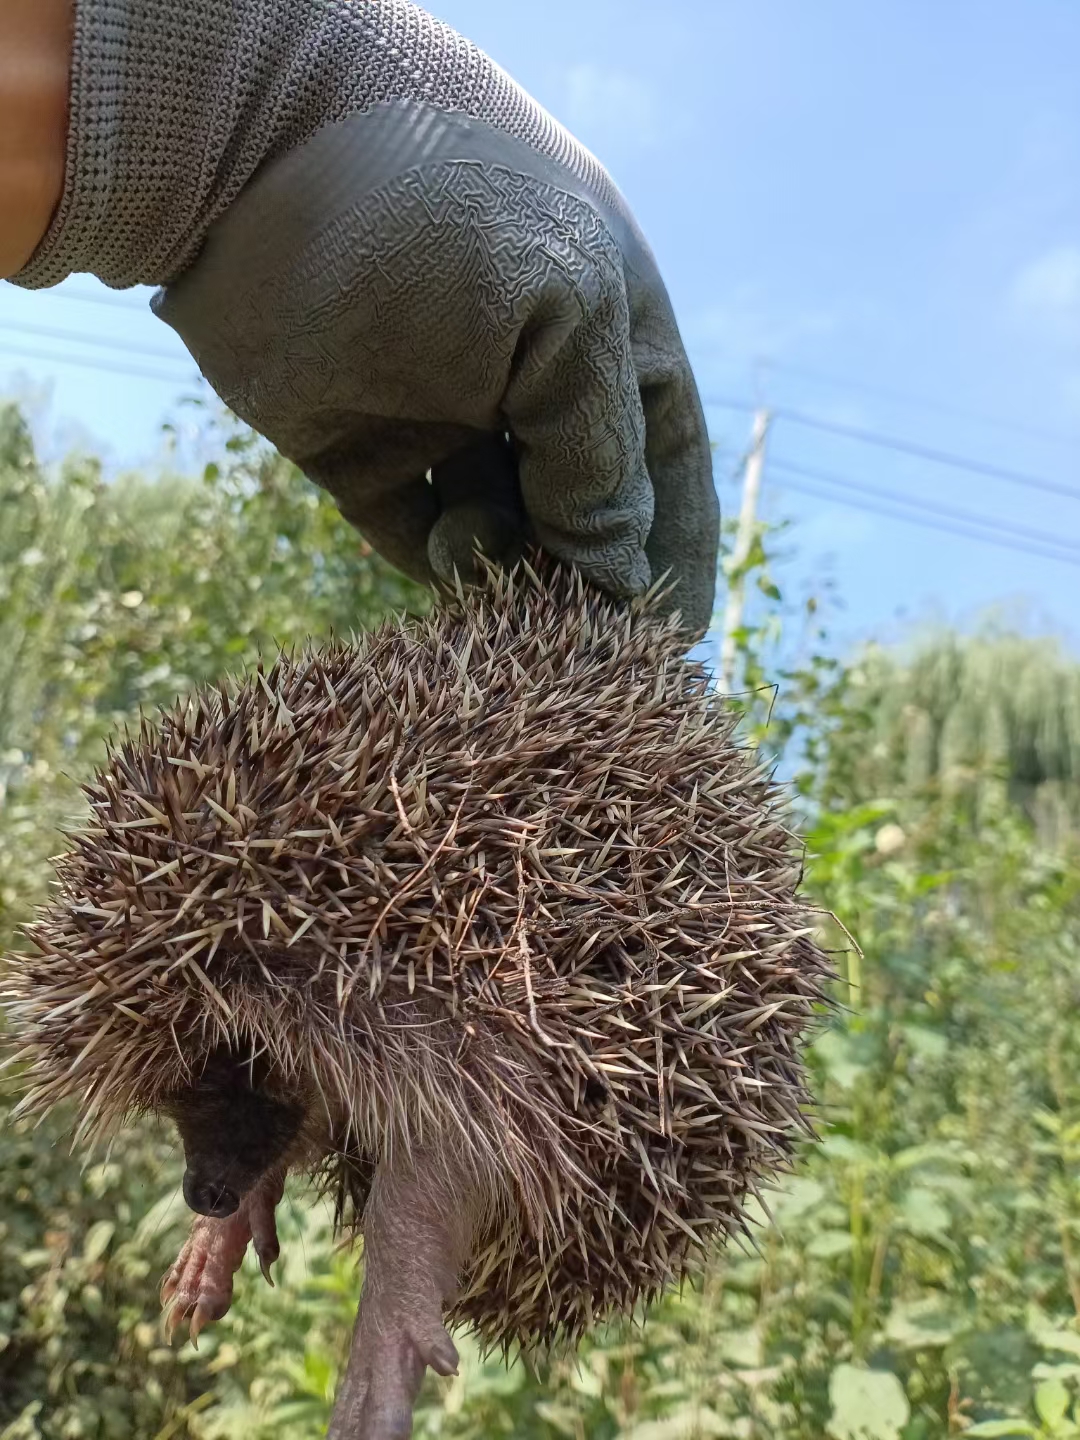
point(924, 1280)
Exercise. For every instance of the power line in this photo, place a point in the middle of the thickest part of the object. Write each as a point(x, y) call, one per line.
point(927, 452)
point(110, 367)
point(726, 402)
point(48, 332)
point(905, 447)
point(923, 402)
point(115, 302)
point(948, 512)
point(943, 525)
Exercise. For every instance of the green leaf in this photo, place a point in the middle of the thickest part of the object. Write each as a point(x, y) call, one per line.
point(798, 1196)
point(690, 1423)
point(843, 1147)
point(828, 1244)
point(867, 1404)
point(562, 1418)
point(923, 1214)
point(299, 1412)
point(932, 1154)
point(741, 1348)
point(98, 1239)
point(921, 1325)
point(1052, 1402)
point(927, 1044)
point(1004, 1429)
point(1066, 1341)
point(835, 1052)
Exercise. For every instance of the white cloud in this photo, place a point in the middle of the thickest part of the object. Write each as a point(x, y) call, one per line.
point(602, 105)
point(1046, 294)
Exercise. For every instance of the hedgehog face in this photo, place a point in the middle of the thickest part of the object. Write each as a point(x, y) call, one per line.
point(235, 1125)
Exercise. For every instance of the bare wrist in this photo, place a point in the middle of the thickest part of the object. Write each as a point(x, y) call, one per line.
point(35, 65)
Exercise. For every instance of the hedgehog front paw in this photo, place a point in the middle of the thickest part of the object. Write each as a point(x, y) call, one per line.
point(199, 1288)
point(391, 1350)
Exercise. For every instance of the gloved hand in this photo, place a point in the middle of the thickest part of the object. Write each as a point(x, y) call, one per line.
point(393, 264)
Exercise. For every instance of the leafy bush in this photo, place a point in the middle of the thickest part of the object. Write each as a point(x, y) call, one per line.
point(923, 1278)
point(114, 597)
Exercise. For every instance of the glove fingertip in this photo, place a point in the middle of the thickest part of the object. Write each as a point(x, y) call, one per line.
point(459, 533)
point(622, 574)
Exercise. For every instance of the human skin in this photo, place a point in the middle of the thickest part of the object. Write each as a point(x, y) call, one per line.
point(35, 69)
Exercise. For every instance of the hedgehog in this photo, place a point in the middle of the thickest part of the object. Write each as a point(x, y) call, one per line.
point(488, 921)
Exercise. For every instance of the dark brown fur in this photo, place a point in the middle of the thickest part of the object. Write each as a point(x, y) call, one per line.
point(233, 1129)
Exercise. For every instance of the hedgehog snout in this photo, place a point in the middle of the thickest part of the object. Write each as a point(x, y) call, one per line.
point(208, 1196)
point(231, 1142)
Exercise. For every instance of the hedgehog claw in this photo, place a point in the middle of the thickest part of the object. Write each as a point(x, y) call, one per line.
point(197, 1324)
point(199, 1287)
point(260, 1207)
point(440, 1354)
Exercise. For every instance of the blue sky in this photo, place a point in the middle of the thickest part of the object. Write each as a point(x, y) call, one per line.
point(850, 202)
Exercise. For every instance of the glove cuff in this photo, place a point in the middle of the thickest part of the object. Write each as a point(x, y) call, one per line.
point(143, 128)
point(176, 103)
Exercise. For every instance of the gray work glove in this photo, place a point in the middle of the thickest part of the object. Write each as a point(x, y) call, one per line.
point(392, 263)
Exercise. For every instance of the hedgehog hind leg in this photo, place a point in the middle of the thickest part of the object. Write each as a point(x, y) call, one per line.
point(418, 1234)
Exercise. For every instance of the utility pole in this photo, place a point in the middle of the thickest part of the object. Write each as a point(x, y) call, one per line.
point(753, 470)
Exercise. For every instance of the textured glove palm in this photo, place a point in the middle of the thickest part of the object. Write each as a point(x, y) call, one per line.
point(392, 263)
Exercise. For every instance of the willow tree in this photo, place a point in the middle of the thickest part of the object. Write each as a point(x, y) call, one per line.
point(989, 721)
